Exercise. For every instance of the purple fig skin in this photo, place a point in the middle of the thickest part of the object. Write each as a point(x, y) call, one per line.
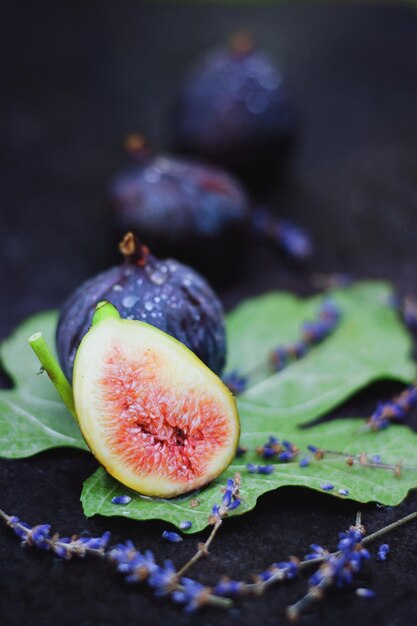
point(165, 293)
point(188, 210)
point(175, 200)
point(236, 110)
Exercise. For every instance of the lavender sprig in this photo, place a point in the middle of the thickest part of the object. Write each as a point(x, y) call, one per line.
point(336, 570)
point(312, 334)
point(137, 567)
point(286, 452)
point(230, 502)
point(394, 410)
point(236, 382)
point(289, 570)
point(277, 572)
point(260, 469)
point(283, 451)
point(134, 565)
point(374, 461)
point(287, 237)
point(65, 547)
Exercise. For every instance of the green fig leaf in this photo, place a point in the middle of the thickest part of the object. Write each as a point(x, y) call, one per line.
point(358, 353)
point(369, 344)
point(33, 417)
point(363, 484)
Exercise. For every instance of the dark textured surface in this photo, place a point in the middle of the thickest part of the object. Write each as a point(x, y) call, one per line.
point(74, 81)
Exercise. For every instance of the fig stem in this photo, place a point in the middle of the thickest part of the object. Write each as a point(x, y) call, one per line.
point(52, 368)
point(105, 310)
point(133, 250)
point(201, 551)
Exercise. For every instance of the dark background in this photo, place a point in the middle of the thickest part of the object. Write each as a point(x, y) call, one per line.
point(74, 81)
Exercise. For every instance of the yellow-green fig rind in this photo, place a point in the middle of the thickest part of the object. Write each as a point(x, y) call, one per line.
point(158, 419)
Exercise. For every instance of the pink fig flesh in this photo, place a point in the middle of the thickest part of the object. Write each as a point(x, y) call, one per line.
point(158, 419)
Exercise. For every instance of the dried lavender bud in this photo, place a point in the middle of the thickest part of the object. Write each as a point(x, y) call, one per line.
point(327, 486)
point(171, 536)
point(383, 551)
point(121, 499)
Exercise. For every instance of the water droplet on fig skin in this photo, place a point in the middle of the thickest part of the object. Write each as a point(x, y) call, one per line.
point(129, 301)
point(158, 278)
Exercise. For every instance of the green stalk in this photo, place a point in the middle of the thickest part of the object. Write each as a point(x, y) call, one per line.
point(52, 368)
point(105, 310)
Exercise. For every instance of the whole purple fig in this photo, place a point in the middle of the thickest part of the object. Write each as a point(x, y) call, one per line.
point(236, 110)
point(166, 294)
point(197, 213)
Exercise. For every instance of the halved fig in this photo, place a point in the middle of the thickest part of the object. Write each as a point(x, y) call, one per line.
point(158, 419)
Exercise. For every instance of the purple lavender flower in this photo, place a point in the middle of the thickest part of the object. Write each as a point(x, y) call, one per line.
point(279, 358)
point(230, 500)
point(317, 552)
point(64, 547)
point(339, 569)
point(235, 381)
point(40, 536)
point(163, 578)
point(284, 235)
point(394, 410)
point(294, 241)
point(135, 566)
point(361, 592)
point(193, 595)
point(287, 569)
point(171, 536)
point(284, 451)
point(327, 486)
point(228, 588)
point(383, 552)
point(260, 469)
point(312, 333)
point(121, 499)
point(285, 456)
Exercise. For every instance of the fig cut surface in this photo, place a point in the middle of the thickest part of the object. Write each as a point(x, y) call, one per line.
point(158, 419)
